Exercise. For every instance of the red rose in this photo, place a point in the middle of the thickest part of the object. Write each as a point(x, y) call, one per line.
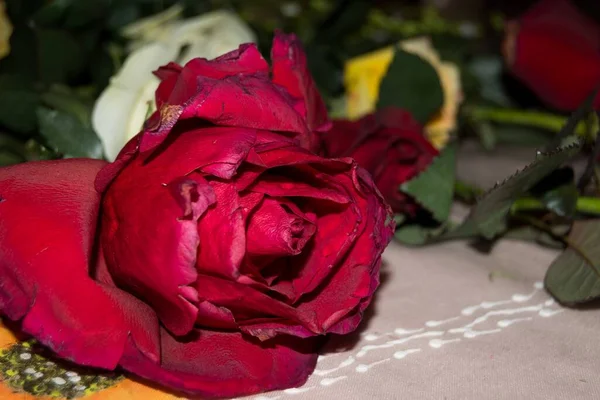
point(237, 89)
point(555, 50)
point(210, 264)
point(390, 145)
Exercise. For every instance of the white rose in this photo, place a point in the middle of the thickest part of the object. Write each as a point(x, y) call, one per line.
point(122, 108)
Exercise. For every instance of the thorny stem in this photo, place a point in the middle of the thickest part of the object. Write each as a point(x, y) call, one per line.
point(550, 122)
point(584, 205)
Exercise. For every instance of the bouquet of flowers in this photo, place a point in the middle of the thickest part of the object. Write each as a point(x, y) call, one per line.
point(192, 197)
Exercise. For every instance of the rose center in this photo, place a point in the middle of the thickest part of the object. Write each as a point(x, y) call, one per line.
point(277, 229)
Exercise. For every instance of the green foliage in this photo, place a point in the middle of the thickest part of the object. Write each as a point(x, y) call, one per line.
point(413, 234)
point(532, 234)
point(433, 188)
point(488, 218)
point(18, 102)
point(413, 84)
point(574, 276)
point(558, 192)
point(59, 56)
point(65, 133)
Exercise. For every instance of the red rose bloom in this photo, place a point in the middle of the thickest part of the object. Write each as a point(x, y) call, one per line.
point(237, 89)
point(390, 145)
point(555, 50)
point(209, 263)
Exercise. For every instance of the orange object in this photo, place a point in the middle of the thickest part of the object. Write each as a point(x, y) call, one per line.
point(125, 389)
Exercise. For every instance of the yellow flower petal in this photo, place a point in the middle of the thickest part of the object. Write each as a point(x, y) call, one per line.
point(363, 75)
point(6, 29)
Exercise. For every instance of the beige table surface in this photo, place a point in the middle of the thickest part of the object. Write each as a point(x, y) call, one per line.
point(451, 323)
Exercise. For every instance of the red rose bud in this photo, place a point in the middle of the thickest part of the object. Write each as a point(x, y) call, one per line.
point(555, 50)
point(390, 144)
point(212, 263)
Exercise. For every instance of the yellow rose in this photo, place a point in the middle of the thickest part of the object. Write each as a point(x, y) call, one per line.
point(122, 108)
point(5, 31)
point(363, 75)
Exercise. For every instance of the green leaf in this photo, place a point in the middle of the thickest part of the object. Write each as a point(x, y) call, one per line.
point(344, 19)
point(561, 197)
point(488, 217)
point(413, 84)
point(122, 15)
point(22, 60)
point(12, 151)
point(574, 276)
point(18, 102)
point(416, 235)
point(21, 10)
point(35, 151)
point(467, 192)
point(52, 13)
point(9, 158)
point(487, 135)
point(65, 99)
point(433, 188)
point(67, 134)
point(533, 234)
point(488, 72)
point(83, 13)
point(60, 57)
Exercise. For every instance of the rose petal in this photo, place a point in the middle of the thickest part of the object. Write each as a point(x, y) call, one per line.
point(291, 174)
point(244, 60)
point(156, 267)
point(246, 101)
point(389, 181)
point(211, 316)
point(222, 364)
point(348, 290)
point(290, 70)
point(337, 229)
point(222, 234)
point(281, 185)
point(555, 33)
point(557, 86)
point(216, 151)
point(371, 154)
point(246, 303)
point(168, 74)
point(275, 232)
point(110, 171)
point(48, 214)
point(246, 175)
point(208, 149)
point(343, 136)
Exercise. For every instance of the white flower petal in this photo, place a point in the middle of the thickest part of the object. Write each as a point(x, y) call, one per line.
point(212, 35)
point(140, 64)
point(120, 110)
point(145, 28)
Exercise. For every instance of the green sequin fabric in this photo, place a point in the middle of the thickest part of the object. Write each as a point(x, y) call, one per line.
point(28, 367)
